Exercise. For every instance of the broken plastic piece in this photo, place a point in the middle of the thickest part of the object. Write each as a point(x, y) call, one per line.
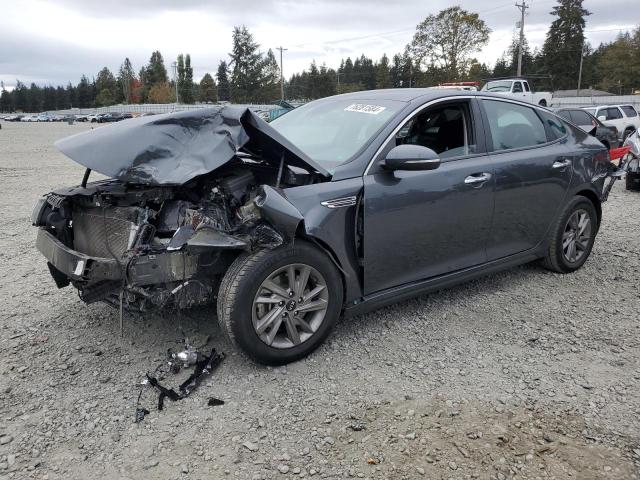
point(140, 414)
point(215, 402)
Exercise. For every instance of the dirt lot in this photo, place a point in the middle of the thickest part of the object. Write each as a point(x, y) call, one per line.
point(525, 374)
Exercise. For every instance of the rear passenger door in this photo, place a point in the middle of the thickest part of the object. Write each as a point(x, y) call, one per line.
point(532, 167)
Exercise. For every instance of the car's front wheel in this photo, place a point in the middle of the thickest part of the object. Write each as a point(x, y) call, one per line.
point(572, 236)
point(279, 305)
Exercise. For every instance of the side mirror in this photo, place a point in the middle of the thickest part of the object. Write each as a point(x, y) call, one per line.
point(411, 157)
point(602, 118)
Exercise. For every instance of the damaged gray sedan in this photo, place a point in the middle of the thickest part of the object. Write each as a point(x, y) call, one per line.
point(338, 207)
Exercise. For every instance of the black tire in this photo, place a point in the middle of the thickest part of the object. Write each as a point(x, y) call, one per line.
point(555, 259)
point(240, 286)
point(632, 180)
point(543, 103)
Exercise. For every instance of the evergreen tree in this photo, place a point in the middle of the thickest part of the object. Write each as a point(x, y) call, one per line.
point(563, 45)
point(155, 71)
point(270, 88)
point(48, 98)
point(20, 96)
point(383, 73)
point(34, 99)
point(126, 77)
point(180, 78)
point(222, 76)
point(188, 94)
point(477, 71)
point(208, 89)
point(246, 63)
point(502, 68)
point(84, 94)
point(6, 101)
point(105, 86)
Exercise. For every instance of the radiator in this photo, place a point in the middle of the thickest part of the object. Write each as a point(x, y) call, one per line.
point(105, 232)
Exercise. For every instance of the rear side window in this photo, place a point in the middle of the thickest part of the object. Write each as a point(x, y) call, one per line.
point(555, 127)
point(526, 86)
point(581, 118)
point(629, 111)
point(513, 126)
point(613, 113)
point(566, 115)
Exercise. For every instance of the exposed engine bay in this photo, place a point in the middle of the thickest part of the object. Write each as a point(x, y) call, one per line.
point(166, 246)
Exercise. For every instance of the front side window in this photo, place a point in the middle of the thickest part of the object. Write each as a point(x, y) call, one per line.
point(444, 129)
point(566, 115)
point(629, 111)
point(513, 126)
point(332, 130)
point(517, 87)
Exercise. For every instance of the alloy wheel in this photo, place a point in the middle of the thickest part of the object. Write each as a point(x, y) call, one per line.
point(576, 236)
point(290, 306)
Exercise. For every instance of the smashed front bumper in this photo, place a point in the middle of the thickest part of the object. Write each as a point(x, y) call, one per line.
point(140, 270)
point(75, 265)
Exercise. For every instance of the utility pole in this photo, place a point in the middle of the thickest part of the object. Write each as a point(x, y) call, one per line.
point(175, 78)
point(522, 7)
point(281, 72)
point(580, 71)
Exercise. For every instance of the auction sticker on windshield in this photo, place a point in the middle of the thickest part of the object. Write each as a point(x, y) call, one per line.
point(363, 108)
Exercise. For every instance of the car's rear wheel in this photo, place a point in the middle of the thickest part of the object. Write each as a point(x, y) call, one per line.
point(279, 305)
point(572, 236)
point(542, 103)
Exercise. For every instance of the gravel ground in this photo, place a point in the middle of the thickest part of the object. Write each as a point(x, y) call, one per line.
point(525, 374)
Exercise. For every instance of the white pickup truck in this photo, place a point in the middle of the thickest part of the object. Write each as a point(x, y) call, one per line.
point(519, 89)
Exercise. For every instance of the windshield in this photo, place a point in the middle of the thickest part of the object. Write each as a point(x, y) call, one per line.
point(504, 86)
point(332, 130)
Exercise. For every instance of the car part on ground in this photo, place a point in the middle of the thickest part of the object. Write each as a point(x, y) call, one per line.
point(203, 365)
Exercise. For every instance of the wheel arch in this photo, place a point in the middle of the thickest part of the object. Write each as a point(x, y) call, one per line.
point(301, 234)
point(595, 200)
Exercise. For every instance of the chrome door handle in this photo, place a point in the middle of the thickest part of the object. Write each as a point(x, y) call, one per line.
point(561, 163)
point(479, 178)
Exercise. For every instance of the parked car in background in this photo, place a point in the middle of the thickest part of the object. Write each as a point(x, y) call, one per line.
point(606, 134)
point(92, 118)
point(624, 117)
point(81, 118)
point(342, 205)
point(109, 117)
point(43, 117)
point(519, 89)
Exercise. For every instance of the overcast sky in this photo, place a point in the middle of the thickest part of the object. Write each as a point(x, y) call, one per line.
point(56, 41)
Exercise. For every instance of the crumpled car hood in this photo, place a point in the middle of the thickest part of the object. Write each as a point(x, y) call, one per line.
point(173, 148)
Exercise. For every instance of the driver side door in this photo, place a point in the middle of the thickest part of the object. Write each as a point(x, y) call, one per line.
point(422, 224)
